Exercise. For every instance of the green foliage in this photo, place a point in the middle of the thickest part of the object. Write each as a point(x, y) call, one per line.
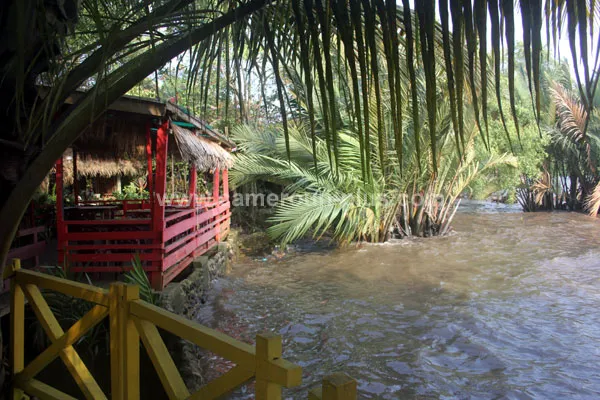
point(343, 203)
point(132, 191)
point(69, 310)
point(137, 276)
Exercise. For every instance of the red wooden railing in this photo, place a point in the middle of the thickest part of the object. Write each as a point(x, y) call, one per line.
point(30, 252)
point(98, 246)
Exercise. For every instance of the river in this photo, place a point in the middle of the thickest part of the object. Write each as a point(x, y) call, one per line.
point(505, 307)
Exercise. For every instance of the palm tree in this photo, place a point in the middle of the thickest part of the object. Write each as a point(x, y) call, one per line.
point(334, 197)
point(571, 170)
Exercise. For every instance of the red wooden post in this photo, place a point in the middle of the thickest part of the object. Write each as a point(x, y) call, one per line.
point(75, 181)
point(217, 227)
point(159, 201)
point(193, 185)
point(37, 255)
point(216, 186)
point(149, 158)
point(226, 184)
point(60, 219)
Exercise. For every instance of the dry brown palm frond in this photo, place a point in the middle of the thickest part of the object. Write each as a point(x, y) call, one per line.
point(592, 202)
point(570, 112)
point(572, 119)
point(542, 187)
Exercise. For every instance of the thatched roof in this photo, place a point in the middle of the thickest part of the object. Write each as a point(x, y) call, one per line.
point(204, 154)
point(115, 144)
point(93, 166)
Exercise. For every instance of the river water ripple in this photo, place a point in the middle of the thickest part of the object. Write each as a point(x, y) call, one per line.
point(506, 307)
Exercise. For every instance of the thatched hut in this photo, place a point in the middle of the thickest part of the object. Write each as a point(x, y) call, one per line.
point(135, 137)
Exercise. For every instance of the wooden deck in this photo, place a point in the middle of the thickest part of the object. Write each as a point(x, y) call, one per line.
point(105, 238)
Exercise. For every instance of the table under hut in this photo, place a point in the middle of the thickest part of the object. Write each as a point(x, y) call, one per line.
point(104, 235)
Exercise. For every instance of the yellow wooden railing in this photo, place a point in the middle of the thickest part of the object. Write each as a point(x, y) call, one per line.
point(130, 320)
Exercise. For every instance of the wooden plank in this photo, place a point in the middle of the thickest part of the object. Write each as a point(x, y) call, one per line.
point(76, 331)
point(79, 290)
point(339, 386)
point(17, 322)
point(28, 251)
point(179, 254)
point(30, 231)
point(172, 258)
point(44, 392)
point(268, 348)
point(179, 242)
point(222, 385)
point(107, 268)
point(162, 361)
point(179, 215)
point(210, 339)
point(82, 376)
point(188, 224)
point(112, 257)
point(316, 393)
point(77, 247)
point(195, 235)
point(129, 235)
point(123, 221)
point(176, 269)
point(124, 343)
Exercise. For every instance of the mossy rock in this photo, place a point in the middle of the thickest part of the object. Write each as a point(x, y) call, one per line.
point(257, 243)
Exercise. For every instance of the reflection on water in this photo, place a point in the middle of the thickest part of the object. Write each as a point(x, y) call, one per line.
point(506, 307)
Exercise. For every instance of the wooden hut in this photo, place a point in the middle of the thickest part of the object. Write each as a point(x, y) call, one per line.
point(103, 236)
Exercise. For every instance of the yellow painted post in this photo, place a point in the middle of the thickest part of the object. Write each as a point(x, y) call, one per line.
point(132, 345)
point(339, 386)
point(268, 348)
point(124, 343)
point(17, 327)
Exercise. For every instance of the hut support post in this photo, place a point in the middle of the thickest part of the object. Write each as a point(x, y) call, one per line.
point(159, 201)
point(193, 185)
point(75, 180)
point(226, 184)
point(216, 186)
point(60, 218)
point(149, 157)
point(216, 203)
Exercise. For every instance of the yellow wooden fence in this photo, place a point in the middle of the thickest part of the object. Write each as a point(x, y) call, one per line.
point(132, 320)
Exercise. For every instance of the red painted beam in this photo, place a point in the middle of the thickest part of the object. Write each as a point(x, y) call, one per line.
point(128, 221)
point(106, 269)
point(215, 192)
point(193, 185)
point(60, 216)
point(149, 157)
point(80, 247)
point(129, 235)
point(111, 257)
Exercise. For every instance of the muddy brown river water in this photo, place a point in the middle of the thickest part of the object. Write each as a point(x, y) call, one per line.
point(506, 307)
